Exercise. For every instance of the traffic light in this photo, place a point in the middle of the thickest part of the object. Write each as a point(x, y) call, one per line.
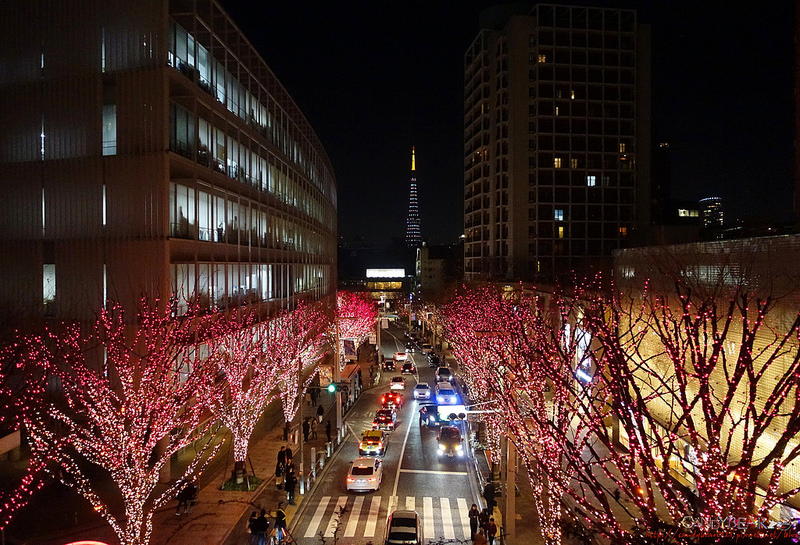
point(332, 387)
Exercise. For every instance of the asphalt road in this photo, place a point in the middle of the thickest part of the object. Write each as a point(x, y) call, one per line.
point(438, 488)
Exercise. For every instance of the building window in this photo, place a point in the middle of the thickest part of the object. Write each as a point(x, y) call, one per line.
point(622, 147)
point(623, 231)
point(558, 214)
point(48, 283)
point(573, 163)
point(110, 129)
point(572, 94)
point(560, 231)
point(542, 58)
point(557, 162)
point(591, 180)
point(556, 110)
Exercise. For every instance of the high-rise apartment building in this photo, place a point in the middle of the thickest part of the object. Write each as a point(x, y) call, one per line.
point(413, 224)
point(147, 148)
point(556, 140)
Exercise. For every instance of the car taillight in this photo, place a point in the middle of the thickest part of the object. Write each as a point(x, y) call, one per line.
point(351, 480)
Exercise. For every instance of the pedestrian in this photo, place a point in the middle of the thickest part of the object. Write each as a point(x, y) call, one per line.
point(250, 529)
point(483, 519)
point(291, 483)
point(259, 529)
point(488, 495)
point(280, 467)
point(320, 413)
point(288, 455)
point(184, 497)
point(280, 521)
point(328, 430)
point(479, 538)
point(314, 429)
point(491, 530)
point(306, 429)
point(314, 396)
point(473, 520)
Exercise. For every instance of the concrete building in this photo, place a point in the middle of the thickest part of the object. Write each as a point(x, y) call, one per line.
point(148, 149)
point(556, 141)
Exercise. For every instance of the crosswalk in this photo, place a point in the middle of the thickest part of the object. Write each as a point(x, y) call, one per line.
point(359, 515)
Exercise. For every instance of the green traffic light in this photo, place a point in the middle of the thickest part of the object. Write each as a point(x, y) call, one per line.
point(331, 387)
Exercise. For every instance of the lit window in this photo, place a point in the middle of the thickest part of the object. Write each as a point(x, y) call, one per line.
point(573, 163)
point(623, 231)
point(48, 283)
point(558, 214)
point(542, 58)
point(561, 231)
point(572, 94)
point(591, 180)
point(109, 129)
point(622, 147)
point(557, 162)
point(556, 110)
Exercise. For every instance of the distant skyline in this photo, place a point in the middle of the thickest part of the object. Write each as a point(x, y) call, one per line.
point(376, 78)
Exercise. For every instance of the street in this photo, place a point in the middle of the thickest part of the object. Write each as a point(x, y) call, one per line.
point(415, 477)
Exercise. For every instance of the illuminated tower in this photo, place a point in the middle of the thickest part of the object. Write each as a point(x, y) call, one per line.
point(413, 230)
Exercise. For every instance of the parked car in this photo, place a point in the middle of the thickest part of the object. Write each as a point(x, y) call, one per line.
point(426, 348)
point(434, 360)
point(385, 419)
point(403, 528)
point(398, 383)
point(408, 368)
point(422, 391)
point(392, 400)
point(449, 440)
point(372, 442)
point(443, 374)
point(365, 474)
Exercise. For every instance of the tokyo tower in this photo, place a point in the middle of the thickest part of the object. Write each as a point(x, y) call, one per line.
point(413, 229)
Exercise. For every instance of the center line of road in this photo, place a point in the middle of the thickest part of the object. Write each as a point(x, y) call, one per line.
point(433, 472)
point(400, 463)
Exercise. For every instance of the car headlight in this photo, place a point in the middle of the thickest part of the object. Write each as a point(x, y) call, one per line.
point(458, 447)
point(441, 448)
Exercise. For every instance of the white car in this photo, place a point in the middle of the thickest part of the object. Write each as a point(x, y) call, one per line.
point(398, 383)
point(400, 356)
point(366, 473)
point(422, 391)
point(446, 395)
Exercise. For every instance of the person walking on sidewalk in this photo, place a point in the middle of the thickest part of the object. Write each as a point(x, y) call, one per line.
point(259, 529)
point(280, 521)
point(473, 520)
point(479, 538)
point(320, 413)
point(328, 430)
point(491, 530)
point(291, 483)
point(280, 467)
point(306, 429)
point(314, 429)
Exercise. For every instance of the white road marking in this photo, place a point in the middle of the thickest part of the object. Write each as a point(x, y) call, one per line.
point(463, 512)
point(372, 517)
point(311, 531)
point(428, 530)
point(352, 522)
point(447, 518)
point(332, 523)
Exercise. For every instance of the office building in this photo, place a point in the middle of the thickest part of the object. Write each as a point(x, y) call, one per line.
point(148, 149)
point(556, 140)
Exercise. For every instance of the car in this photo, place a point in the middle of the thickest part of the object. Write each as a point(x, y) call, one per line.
point(434, 360)
point(426, 348)
point(449, 439)
point(446, 394)
point(410, 346)
point(398, 383)
point(443, 374)
point(365, 474)
point(385, 419)
point(392, 400)
point(388, 364)
point(403, 528)
point(422, 391)
point(372, 442)
point(400, 356)
point(429, 415)
point(408, 368)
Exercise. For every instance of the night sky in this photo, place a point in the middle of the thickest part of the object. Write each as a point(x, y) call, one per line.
point(377, 77)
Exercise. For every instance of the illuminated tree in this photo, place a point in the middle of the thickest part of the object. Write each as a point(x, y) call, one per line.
point(355, 317)
point(128, 403)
